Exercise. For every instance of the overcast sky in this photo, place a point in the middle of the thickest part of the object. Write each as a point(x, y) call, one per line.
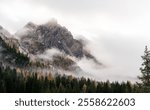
point(118, 29)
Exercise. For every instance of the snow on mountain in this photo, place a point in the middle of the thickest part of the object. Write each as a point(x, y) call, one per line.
point(49, 47)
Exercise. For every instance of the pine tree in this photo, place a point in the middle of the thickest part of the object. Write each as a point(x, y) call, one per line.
point(145, 69)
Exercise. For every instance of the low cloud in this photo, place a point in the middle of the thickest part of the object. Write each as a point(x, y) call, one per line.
point(119, 55)
point(117, 31)
point(49, 53)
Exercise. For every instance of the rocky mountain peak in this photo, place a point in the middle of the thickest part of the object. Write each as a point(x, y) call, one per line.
point(47, 36)
point(31, 25)
point(34, 41)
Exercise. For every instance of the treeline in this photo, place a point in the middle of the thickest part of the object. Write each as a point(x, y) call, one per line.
point(13, 82)
point(12, 55)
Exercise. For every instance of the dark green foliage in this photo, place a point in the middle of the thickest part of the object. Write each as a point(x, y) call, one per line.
point(11, 81)
point(145, 70)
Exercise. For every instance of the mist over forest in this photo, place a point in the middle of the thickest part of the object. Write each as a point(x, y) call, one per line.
point(99, 41)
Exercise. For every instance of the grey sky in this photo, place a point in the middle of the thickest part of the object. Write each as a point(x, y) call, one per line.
point(118, 29)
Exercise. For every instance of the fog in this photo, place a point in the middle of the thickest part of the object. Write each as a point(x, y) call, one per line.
point(49, 54)
point(117, 30)
point(121, 58)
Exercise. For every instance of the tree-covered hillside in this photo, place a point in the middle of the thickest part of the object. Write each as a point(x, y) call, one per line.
point(12, 82)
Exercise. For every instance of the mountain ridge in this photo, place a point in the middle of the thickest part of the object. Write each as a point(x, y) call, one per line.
point(33, 40)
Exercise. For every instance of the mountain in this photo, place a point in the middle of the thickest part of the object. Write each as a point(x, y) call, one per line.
point(35, 39)
point(9, 50)
point(31, 49)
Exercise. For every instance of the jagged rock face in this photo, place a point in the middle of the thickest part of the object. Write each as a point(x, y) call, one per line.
point(33, 40)
point(36, 39)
